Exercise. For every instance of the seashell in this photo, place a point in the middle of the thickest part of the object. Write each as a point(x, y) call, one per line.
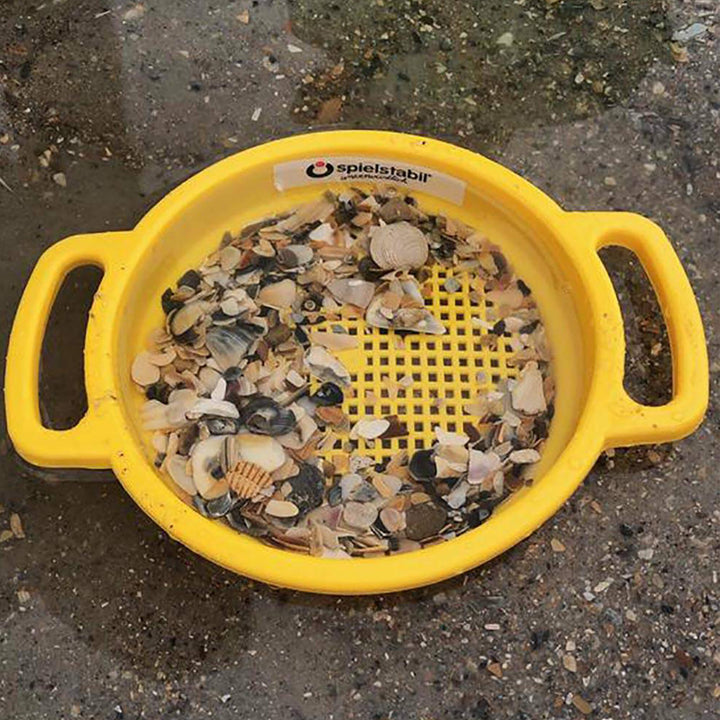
point(220, 389)
point(528, 395)
point(295, 379)
point(458, 495)
point(293, 256)
point(328, 394)
point(177, 469)
point(247, 479)
point(186, 318)
point(307, 488)
point(301, 434)
point(422, 466)
point(392, 519)
point(413, 319)
point(261, 450)
point(231, 306)
point(482, 465)
point(278, 335)
point(424, 520)
point(264, 416)
point(322, 233)
point(206, 467)
point(230, 258)
point(526, 456)
point(326, 367)
point(450, 438)
point(348, 483)
point(161, 359)
point(228, 345)
point(220, 506)
point(333, 340)
point(359, 515)
point(352, 291)
point(215, 408)
point(221, 425)
point(398, 246)
point(278, 295)
point(264, 248)
point(281, 508)
point(369, 428)
point(143, 371)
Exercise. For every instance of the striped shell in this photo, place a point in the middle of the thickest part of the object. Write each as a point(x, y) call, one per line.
point(247, 479)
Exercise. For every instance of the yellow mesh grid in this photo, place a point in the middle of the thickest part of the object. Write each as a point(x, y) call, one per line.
point(447, 370)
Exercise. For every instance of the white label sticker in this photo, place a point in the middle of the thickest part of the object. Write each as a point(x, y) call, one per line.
point(352, 168)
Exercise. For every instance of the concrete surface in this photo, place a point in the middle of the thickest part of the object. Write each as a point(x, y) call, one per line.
point(105, 617)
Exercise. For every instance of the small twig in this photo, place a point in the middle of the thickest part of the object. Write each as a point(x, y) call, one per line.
point(5, 185)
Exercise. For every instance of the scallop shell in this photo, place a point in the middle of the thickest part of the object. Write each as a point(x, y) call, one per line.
point(399, 246)
point(247, 479)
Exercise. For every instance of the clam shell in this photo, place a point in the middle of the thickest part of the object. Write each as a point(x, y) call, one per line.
point(399, 246)
point(247, 479)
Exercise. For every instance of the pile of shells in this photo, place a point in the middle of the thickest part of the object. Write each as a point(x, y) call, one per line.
point(244, 393)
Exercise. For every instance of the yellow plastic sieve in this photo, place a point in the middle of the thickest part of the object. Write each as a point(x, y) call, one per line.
point(554, 251)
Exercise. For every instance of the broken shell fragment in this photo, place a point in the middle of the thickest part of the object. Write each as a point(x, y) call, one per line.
point(328, 394)
point(229, 345)
point(278, 295)
point(281, 508)
point(528, 395)
point(265, 417)
point(293, 256)
point(353, 291)
point(359, 515)
point(399, 246)
point(247, 479)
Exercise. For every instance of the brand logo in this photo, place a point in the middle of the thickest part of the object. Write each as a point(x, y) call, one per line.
point(319, 169)
point(373, 170)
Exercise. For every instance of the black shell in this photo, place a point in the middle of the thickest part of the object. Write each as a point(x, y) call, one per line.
point(263, 416)
point(328, 394)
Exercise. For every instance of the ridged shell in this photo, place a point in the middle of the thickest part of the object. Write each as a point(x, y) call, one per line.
point(399, 246)
point(247, 479)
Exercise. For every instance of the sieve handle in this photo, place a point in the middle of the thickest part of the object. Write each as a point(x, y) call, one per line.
point(84, 445)
point(630, 422)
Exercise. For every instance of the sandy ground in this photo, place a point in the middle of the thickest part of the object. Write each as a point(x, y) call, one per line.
point(105, 107)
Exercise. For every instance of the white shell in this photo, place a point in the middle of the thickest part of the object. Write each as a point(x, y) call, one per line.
point(176, 467)
point(261, 450)
point(205, 455)
point(143, 371)
point(527, 395)
point(399, 246)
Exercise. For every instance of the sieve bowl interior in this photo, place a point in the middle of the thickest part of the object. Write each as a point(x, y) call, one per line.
point(446, 370)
